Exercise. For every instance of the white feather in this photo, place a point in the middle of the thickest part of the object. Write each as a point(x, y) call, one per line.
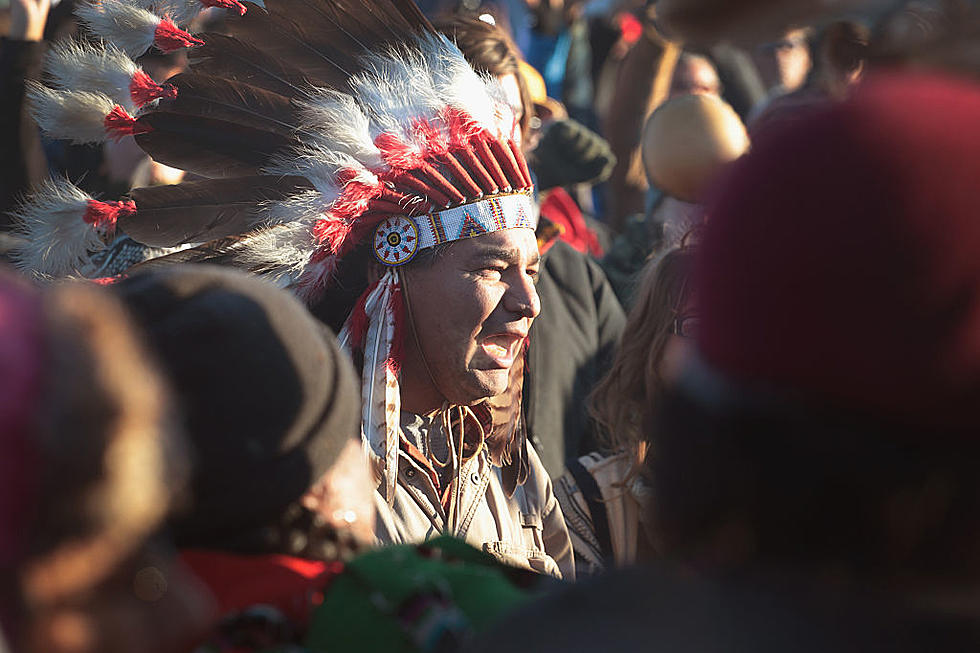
point(57, 241)
point(396, 89)
point(129, 28)
point(392, 396)
point(455, 81)
point(308, 205)
point(78, 116)
point(377, 345)
point(319, 163)
point(181, 12)
point(280, 252)
point(101, 68)
point(336, 120)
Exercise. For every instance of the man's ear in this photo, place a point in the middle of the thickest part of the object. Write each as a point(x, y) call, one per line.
point(374, 271)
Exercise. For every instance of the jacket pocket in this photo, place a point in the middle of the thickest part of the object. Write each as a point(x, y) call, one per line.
point(523, 557)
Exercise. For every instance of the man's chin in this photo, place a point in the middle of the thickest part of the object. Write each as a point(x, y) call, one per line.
point(484, 384)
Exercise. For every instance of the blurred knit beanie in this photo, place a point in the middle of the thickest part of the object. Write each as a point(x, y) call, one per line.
point(842, 257)
point(88, 456)
point(268, 399)
point(571, 153)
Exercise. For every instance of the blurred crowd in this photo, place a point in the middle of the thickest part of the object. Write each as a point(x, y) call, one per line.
point(721, 394)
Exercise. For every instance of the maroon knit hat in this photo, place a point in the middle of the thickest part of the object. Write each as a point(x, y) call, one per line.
point(842, 256)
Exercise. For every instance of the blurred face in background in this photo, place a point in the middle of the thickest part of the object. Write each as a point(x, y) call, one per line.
point(784, 63)
point(695, 74)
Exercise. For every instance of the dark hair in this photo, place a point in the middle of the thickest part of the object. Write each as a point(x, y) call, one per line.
point(789, 483)
point(489, 49)
point(845, 45)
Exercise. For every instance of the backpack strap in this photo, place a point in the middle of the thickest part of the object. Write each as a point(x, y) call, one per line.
point(597, 508)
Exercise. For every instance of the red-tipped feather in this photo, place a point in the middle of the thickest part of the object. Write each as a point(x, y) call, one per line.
point(397, 153)
point(317, 276)
point(168, 37)
point(104, 215)
point(119, 123)
point(143, 89)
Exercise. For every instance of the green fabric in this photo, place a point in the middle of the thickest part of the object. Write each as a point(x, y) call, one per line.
point(360, 611)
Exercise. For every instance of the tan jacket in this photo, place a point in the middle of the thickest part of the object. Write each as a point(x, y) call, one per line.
point(626, 508)
point(526, 530)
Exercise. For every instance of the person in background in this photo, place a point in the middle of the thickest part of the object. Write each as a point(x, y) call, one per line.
point(785, 62)
point(694, 73)
point(642, 84)
point(605, 495)
point(90, 464)
point(22, 165)
point(840, 53)
point(567, 160)
point(687, 142)
point(572, 341)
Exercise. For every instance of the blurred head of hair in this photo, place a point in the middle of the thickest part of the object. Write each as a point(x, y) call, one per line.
point(489, 49)
point(624, 394)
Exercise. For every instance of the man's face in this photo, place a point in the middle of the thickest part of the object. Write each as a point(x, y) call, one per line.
point(472, 309)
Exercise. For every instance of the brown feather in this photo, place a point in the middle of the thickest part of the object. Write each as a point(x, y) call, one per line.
point(209, 148)
point(200, 211)
point(216, 252)
point(225, 56)
point(232, 101)
point(284, 41)
point(325, 40)
point(411, 13)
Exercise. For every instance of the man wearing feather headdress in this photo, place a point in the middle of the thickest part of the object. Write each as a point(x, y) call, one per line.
point(331, 134)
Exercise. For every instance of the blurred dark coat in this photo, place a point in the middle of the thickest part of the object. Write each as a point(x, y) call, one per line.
point(658, 610)
point(572, 344)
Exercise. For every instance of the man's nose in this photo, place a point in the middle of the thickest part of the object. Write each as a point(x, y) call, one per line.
point(522, 298)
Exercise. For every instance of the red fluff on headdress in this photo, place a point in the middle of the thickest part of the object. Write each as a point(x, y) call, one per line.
point(119, 123)
point(168, 37)
point(331, 232)
point(143, 89)
point(359, 319)
point(104, 215)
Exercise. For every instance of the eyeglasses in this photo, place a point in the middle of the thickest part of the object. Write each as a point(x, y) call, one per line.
point(685, 326)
